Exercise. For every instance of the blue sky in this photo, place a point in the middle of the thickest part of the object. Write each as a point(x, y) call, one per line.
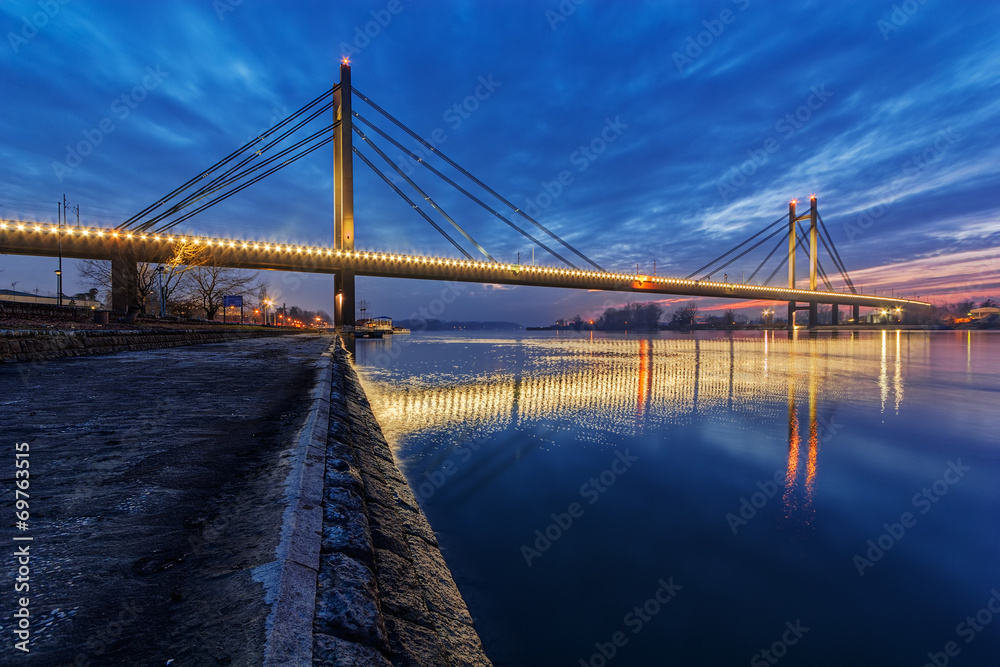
point(715, 114)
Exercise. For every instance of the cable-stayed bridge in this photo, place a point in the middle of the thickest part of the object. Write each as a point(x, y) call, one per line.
point(150, 235)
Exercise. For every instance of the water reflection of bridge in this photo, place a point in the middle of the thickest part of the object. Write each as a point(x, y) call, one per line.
point(608, 389)
point(620, 386)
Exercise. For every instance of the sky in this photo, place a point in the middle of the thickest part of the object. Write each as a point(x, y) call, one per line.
point(639, 132)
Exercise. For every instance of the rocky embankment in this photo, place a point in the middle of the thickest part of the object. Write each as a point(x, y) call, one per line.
point(385, 595)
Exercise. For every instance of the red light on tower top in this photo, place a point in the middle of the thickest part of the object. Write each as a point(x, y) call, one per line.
point(345, 61)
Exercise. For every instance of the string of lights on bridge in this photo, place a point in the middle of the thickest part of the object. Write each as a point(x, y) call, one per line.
point(112, 234)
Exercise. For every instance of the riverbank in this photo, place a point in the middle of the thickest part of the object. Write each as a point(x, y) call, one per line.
point(384, 595)
point(239, 495)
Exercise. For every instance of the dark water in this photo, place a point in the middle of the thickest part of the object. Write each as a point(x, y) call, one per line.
point(697, 500)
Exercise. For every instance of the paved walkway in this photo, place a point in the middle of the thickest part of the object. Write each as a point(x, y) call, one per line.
point(155, 486)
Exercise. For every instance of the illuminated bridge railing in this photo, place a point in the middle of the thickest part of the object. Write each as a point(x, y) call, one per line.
point(102, 243)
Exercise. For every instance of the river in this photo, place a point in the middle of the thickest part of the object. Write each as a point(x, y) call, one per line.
point(708, 499)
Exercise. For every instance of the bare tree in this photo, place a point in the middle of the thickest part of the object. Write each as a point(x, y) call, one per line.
point(206, 285)
point(146, 282)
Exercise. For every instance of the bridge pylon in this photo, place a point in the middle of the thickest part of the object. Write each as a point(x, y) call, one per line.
point(343, 197)
point(793, 220)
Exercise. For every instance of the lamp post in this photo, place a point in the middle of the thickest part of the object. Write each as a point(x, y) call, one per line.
point(62, 208)
point(163, 303)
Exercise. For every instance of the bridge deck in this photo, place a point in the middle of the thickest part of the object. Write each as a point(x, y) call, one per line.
point(97, 243)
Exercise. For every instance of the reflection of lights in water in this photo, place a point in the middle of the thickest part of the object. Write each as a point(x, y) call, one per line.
point(790, 498)
point(897, 376)
point(792, 467)
point(883, 375)
point(765, 353)
point(603, 389)
point(813, 444)
point(645, 381)
point(968, 352)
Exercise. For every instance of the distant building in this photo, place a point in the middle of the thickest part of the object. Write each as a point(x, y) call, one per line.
point(83, 300)
point(980, 313)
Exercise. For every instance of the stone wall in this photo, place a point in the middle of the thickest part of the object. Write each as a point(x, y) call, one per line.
point(37, 345)
point(385, 595)
point(66, 313)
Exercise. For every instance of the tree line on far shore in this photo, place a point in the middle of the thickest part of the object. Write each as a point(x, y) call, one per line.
point(636, 317)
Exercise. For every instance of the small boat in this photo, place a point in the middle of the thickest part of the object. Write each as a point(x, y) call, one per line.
point(376, 327)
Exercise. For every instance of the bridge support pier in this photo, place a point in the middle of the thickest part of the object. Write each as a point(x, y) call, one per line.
point(791, 314)
point(856, 314)
point(813, 314)
point(834, 314)
point(344, 306)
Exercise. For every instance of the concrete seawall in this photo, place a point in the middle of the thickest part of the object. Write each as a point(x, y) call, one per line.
point(384, 594)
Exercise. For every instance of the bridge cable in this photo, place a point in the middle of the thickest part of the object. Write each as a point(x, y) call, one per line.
point(843, 275)
point(833, 252)
point(423, 194)
point(410, 201)
point(819, 265)
point(217, 184)
point(222, 179)
point(740, 245)
point(475, 180)
point(458, 187)
point(750, 249)
point(788, 255)
point(243, 186)
point(226, 159)
point(766, 259)
point(225, 196)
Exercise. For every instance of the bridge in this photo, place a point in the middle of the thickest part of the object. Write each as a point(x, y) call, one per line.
point(148, 237)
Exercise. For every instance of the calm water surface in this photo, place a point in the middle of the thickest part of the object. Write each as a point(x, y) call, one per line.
point(698, 500)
